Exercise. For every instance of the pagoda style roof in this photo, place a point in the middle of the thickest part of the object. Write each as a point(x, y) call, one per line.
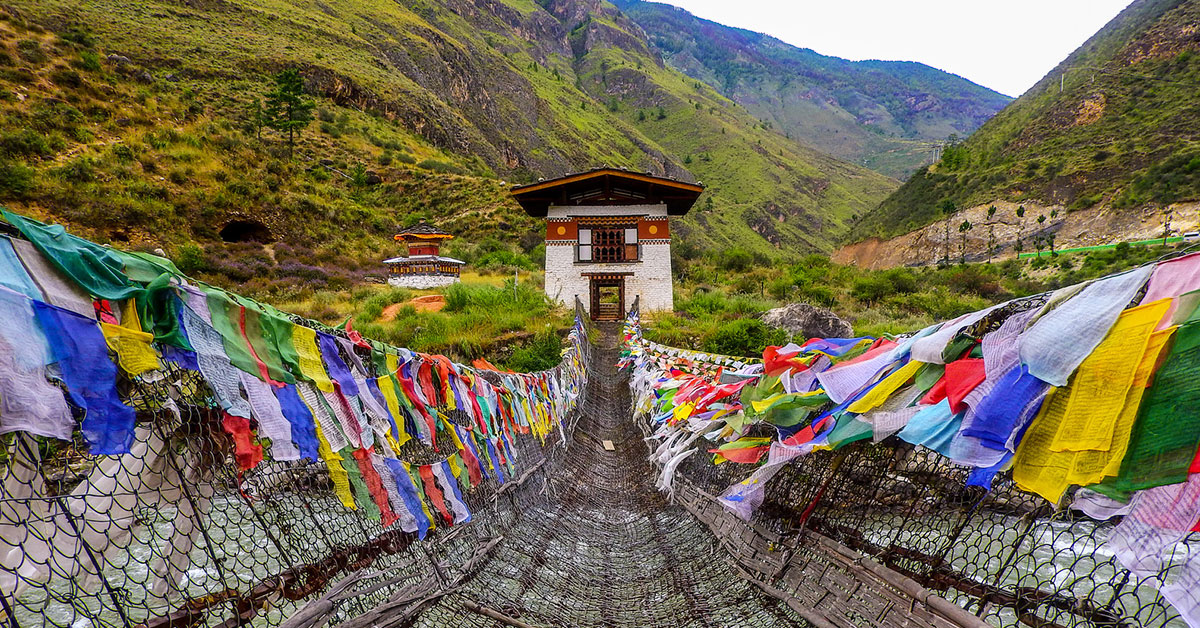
point(607, 186)
point(424, 259)
point(423, 231)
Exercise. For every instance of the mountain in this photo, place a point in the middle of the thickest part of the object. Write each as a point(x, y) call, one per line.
point(147, 110)
point(886, 115)
point(1103, 143)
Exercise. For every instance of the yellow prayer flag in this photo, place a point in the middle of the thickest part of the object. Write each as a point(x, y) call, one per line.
point(457, 441)
point(1085, 425)
point(129, 316)
point(884, 389)
point(312, 367)
point(1092, 467)
point(683, 411)
point(1102, 381)
point(333, 461)
point(388, 390)
point(134, 353)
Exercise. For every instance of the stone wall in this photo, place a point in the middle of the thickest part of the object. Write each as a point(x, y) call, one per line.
point(650, 279)
point(422, 282)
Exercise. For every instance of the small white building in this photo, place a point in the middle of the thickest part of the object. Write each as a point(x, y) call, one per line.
point(608, 237)
point(424, 267)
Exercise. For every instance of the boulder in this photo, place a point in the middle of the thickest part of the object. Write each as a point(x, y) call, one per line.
point(116, 59)
point(808, 321)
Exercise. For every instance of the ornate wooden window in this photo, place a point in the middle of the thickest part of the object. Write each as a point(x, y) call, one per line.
point(608, 244)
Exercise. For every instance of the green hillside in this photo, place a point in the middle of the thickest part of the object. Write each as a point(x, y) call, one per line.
point(1116, 124)
point(147, 107)
point(886, 115)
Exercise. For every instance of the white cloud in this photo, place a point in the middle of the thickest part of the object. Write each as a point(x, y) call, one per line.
point(1007, 45)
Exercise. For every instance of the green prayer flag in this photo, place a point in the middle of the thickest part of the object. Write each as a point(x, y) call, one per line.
point(1166, 434)
point(158, 309)
point(928, 375)
point(144, 267)
point(96, 269)
point(849, 429)
point(271, 338)
point(226, 317)
point(361, 494)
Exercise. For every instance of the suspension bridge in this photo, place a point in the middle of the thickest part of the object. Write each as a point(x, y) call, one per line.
point(224, 464)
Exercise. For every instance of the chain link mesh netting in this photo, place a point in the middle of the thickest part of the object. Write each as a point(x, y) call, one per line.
point(580, 538)
point(1006, 556)
point(172, 535)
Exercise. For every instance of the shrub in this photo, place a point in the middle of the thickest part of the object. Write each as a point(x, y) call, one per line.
point(1084, 202)
point(24, 143)
point(817, 295)
point(504, 259)
point(123, 152)
point(78, 170)
point(191, 259)
point(972, 279)
point(66, 78)
point(79, 35)
point(735, 259)
point(903, 280)
point(50, 115)
point(16, 180)
point(747, 284)
point(440, 166)
point(30, 50)
point(744, 337)
point(544, 352)
point(89, 60)
point(373, 304)
point(779, 288)
point(871, 290)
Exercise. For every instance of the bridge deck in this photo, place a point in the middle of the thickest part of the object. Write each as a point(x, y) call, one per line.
point(607, 549)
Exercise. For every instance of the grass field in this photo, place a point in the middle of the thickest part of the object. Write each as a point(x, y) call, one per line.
point(484, 317)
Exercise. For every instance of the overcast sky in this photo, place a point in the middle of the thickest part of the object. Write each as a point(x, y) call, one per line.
point(1007, 45)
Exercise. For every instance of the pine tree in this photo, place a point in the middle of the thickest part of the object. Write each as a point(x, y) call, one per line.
point(991, 247)
point(287, 110)
point(1020, 229)
point(962, 243)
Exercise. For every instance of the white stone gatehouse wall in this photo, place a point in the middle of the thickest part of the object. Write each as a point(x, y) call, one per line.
point(650, 279)
point(422, 282)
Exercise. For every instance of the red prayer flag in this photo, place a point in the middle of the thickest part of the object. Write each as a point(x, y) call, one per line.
point(962, 376)
point(247, 453)
point(746, 455)
point(375, 486)
point(434, 493)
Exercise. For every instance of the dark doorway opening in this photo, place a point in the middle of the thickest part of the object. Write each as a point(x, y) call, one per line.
point(246, 231)
point(608, 298)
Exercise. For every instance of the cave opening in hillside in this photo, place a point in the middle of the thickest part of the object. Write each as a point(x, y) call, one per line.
point(246, 231)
